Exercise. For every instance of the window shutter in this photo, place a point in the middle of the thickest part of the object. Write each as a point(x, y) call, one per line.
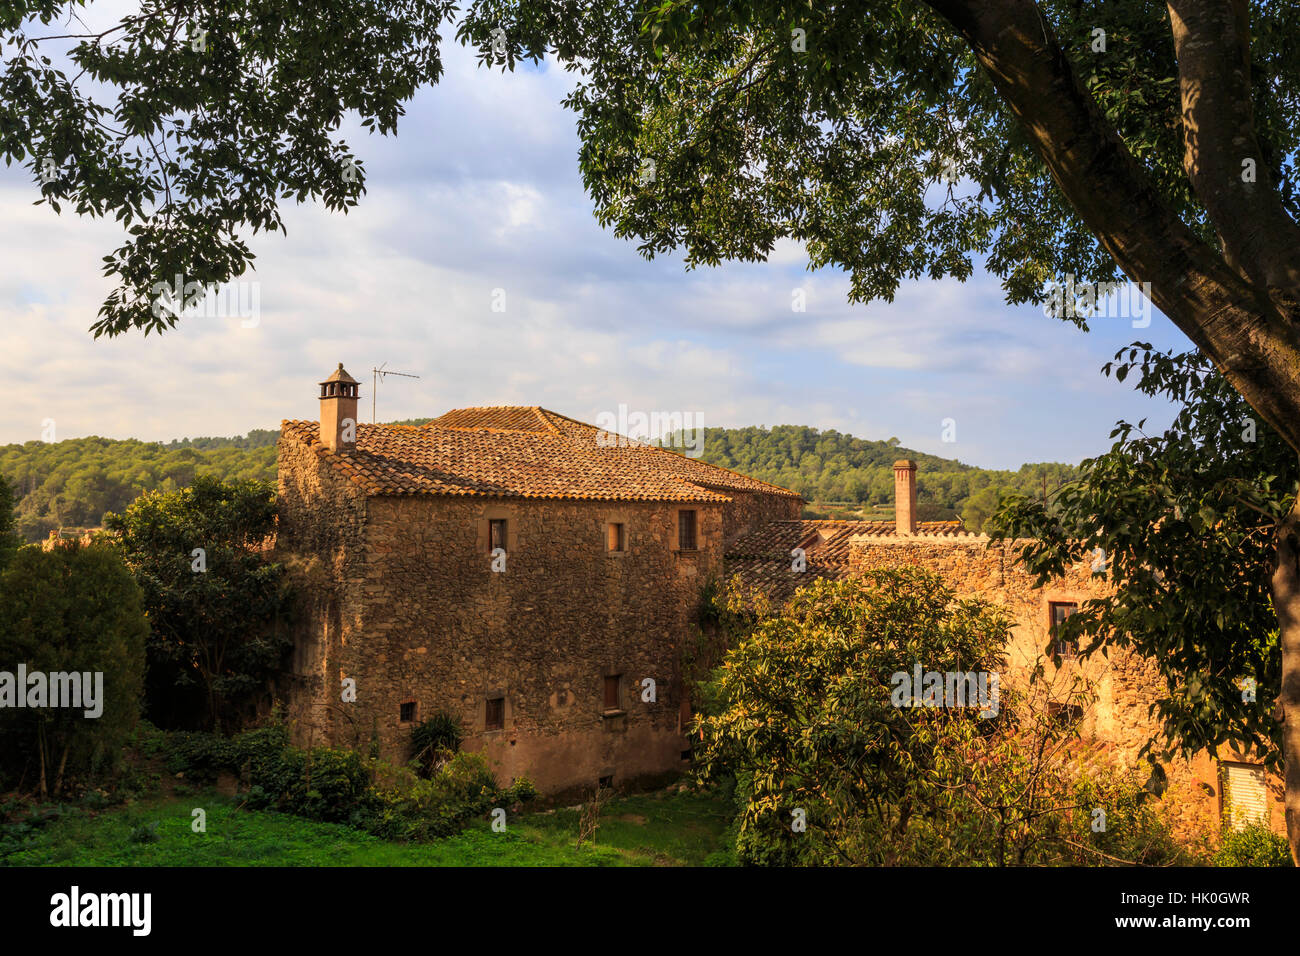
point(686, 530)
point(496, 714)
point(1060, 611)
point(1246, 793)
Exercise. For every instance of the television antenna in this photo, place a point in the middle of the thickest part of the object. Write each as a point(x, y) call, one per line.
point(379, 374)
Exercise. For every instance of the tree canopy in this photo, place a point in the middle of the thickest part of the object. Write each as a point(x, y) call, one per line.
point(216, 112)
point(830, 466)
point(1185, 520)
point(218, 609)
point(839, 758)
point(9, 537)
point(72, 608)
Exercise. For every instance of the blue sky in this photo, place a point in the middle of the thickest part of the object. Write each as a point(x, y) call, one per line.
point(480, 191)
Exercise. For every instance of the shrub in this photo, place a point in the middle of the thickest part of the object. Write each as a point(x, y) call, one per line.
point(145, 833)
point(521, 791)
point(1255, 845)
point(436, 739)
point(22, 819)
point(200, 756)
point(406, 807)
point(341, 786)
point(259, 747)
point(320, 784)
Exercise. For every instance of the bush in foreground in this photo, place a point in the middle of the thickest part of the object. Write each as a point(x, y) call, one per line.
point(1255, 845)
point(837, 762)
point(341, 786)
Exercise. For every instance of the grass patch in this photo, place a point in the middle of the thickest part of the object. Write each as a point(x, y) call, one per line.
point(661, 829)
point(655, 829)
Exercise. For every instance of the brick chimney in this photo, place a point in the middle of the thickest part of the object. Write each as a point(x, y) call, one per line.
point(338, 411)
point(905, 496)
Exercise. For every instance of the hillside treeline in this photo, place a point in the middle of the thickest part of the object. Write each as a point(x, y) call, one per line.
point(829, 466)
point(73, 483)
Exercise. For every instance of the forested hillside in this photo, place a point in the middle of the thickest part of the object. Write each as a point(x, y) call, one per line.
point(831, 468)
point(72, 483)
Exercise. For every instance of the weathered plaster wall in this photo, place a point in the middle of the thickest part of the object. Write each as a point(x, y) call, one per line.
point(1120, 686)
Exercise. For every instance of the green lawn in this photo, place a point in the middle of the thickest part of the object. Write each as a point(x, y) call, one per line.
point(658, 829)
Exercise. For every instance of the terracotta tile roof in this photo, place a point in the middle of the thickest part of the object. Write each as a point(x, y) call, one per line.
point(775, 579)
point(826, 540)
point(928, 529)
point(525, 452)
point(762, 559)
point(500, 418)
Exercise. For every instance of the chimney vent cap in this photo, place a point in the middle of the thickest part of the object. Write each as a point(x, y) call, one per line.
point(905, 463)
point(340, 375)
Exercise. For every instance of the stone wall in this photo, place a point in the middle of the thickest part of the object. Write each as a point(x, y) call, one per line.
point(320, 535)
point(748, 511)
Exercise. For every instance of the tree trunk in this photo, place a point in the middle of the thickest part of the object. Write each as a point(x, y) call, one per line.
point(63, 763)
point(1239, 306)
point(1212, 46)
point(1248, 330)
point(40, 746)
point(1286, 601)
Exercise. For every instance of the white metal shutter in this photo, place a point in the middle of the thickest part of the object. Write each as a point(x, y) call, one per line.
point(1246, 794)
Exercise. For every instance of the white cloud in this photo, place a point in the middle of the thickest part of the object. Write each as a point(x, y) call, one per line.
point(481, 191)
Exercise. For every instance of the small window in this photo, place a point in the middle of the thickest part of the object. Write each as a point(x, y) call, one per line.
point(607, 783)
point(496, 714)
point(686, 530)
point(496, 534)
point(611, 692)
point(406, 712)
point(1060, 610)
point(1067, 715)
point(615, 537)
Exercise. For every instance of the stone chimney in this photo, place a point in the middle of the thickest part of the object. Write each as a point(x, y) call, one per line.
point(905, 496)
point(338, 411)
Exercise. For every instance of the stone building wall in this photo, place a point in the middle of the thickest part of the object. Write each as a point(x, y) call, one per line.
point(1118, 688)
point(748, 511)
point(414, 613)
point(320, 535)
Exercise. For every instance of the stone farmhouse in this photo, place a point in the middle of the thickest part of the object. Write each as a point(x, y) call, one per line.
point(535, 577)
point(531, 575)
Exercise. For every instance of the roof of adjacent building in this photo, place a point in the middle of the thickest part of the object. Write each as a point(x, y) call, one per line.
point(522, 452)
point(827, 539)
point(763, 558)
